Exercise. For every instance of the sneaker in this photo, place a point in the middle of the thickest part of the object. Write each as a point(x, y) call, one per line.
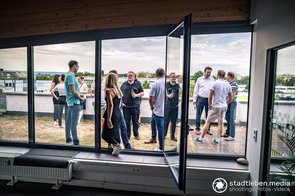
point(229, 138)
point(137, 138)
point(55, 123)
point(69, 143)
point(199, 139)
point(129, 148)
point(224, 135)
point(209, 133)
point(216, 140)
point(173, 139)
point(117, 150)
point(151, 141)
point(190, 128)
point(157, 149)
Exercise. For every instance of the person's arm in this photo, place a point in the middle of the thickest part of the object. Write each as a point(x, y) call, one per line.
point(210, 98)
point(196, 91)
point(151, 102)
point(92, 90)
point(52, 86)
point(53, 94)
point(85, 89)
point(152, 97)
point(110, 108)
point(74, 92)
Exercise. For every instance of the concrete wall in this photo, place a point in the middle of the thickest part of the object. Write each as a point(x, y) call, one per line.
point(17, 102)
point(275, 26)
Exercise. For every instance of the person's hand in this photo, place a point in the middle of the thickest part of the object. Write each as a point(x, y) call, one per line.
point(92, 94)
point(171, 95)
point(82, 99)
point(133, 94)
point(110, 124)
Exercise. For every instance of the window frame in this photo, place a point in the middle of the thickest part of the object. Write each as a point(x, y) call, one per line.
point(98, 36)
point(269, 91)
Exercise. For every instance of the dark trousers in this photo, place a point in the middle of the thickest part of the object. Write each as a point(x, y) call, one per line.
point(201, 104)
point(55, 111)
point(171, 114)
point(131, 114)
point(123, 129)
point(61, 105)
point(230, 118)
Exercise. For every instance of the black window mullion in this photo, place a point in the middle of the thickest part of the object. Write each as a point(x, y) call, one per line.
point(31, 108)
point(97, 96)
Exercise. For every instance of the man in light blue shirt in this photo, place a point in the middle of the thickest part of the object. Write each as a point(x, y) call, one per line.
point(73, 102)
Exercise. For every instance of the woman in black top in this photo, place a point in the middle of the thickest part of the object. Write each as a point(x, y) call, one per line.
point(112, 115)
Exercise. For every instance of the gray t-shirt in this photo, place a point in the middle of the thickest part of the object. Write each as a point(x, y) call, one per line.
point(221, 89)
point(158, 91)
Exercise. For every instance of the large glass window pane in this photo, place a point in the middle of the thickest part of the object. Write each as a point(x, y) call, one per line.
point(141, 56)
point(51, 69)
point(13, 95)
point(231, 53)
point(283, 122)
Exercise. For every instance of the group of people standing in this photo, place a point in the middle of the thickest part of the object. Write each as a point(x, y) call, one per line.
point(218, 98)
point(121, 105)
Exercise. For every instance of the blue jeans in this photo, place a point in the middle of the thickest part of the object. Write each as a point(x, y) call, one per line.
point(71, 123)
point(131, 114)
point(123, 129)
point(201, 104)
point(230, 118)
point(157, 123)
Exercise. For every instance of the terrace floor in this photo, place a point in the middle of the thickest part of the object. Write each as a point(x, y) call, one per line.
point(14, 128)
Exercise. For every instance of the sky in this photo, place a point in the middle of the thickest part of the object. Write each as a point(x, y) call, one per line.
point(286, 61)
point(230, 52)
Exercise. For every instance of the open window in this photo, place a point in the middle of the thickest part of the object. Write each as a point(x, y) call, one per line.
point(177, 68)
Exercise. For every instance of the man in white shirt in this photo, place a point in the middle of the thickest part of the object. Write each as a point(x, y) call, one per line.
point(219, 97)
point(201, 94)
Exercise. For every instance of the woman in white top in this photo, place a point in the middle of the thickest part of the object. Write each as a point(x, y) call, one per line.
point(60, 88)
point(83, 90)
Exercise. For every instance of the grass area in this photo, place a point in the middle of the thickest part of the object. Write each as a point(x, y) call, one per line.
point(242, 97)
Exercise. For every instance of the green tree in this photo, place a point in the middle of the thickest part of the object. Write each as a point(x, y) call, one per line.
point(146, 85)
point(196, 76)
point(141, 75)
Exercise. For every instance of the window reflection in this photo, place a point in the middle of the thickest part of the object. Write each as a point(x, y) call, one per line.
point(283, 122)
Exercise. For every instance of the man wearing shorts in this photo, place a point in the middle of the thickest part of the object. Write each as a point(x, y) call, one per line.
point(219, 91)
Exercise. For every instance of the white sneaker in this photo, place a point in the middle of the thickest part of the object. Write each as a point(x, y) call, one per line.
point(55, 123)
point(117, 150)
point(157, 149)
point(69, 143)
point(229, 138)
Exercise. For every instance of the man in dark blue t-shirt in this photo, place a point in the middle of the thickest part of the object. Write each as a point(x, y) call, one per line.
point(132, 93)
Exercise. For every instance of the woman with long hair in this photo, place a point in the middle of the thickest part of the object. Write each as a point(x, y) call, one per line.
point(112, 117)
point(54, 82)
point(61, 99)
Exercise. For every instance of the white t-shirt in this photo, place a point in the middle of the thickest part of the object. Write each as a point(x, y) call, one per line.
point(83, 88)
point(158, 91)
point(60, 87)
point(102, 97)
point(221, 89)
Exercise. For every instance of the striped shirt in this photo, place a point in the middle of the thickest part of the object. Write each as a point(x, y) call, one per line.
point(234, 87)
